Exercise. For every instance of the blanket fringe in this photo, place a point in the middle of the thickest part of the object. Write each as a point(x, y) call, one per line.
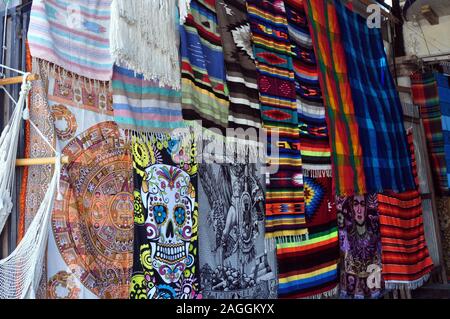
point(313, 173)
point(291, 239)
point(411, 285)
point(326, 294)
point(61, 74)
point(144, 38)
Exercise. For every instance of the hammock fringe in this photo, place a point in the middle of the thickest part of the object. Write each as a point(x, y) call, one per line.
point(411, 285)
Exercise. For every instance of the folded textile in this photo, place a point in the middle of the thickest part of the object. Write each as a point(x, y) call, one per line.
point(203, 83)
point(378, 112)
point(314, 146)
point(443, 84)
point(144, 37)
point(234, 261)
point(425, 95)
point(144, 105)
point(405, 256)
point(347, 155)
point(74, 35)
point(285, 219)
point(166, 220)
point(310, 269)
point(360, 242)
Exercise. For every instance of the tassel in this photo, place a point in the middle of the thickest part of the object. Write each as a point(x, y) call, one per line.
point(411, 285)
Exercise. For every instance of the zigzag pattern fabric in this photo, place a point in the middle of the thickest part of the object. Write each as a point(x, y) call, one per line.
point(285, 217)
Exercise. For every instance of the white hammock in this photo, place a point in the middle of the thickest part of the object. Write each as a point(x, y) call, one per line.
point(8, 152)
point(20, 272)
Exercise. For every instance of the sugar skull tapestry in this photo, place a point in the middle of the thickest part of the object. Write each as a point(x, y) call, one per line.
point(165, 218)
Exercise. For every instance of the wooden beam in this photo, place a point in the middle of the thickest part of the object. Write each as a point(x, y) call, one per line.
point(429, 14)
point(18, 79)
point(40, 161)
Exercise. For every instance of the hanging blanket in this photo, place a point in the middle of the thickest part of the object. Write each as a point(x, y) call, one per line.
point(347, 156)
point(240, 65)
point(165, 217)
point(406, 260)
point(89, 252)
point(234, 262)
point(360, 242)
point(378, 112)
point(144, 37)
point(74, 35)
point(310, 270)
point(425, 94)
point(285, 219)
point(443, 83)
point(144, 105)
point(204, 89)
point(314, 147)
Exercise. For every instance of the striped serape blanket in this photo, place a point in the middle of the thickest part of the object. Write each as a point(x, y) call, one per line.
point(347, 156)
point(203, 79)
point(425, 95)
point(143, 105)
point(405, 257)
point(74, 35)
point(378, 112)
point(285, 218)
point(315, 146)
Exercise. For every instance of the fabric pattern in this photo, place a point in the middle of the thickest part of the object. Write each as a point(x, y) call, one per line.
point(73, 35)
point(425, 95)
point(285, 217)
point(443, 207)
point(360, 242)
point(314, 146)
point(443, 84)
point(310, 269)
point(347, 155)
point(405, 256)
point(234, 27)
point(378, 112)
point(234, 262)
point(91, 241)
point(143, 105)
point(203, 79)
point(165, 262)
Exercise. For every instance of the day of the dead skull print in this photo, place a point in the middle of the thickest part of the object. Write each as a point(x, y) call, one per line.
point(165, 217)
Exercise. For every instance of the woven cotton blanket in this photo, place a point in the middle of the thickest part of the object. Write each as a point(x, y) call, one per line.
point(276, 84)
point(73, 35)
point(406, 260)
point(378, 112)
point(443, 83)
point(347, 155)
point(314, 147)
point(425, 94)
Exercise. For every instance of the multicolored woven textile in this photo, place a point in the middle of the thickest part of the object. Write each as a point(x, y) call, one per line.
point(310, 269)
point(90, 247)
point(443, 208)
point(234, 262)
point(203, 80)
point(165, 217)
point(425, 94)
point(74, 35)
point(405, 256)
point(443, 83)
point(315, 146)
point(143, 105)
point(378, 112)
point(276, 83)
point(240, 65)
point(360, 242)
point(347, 156)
